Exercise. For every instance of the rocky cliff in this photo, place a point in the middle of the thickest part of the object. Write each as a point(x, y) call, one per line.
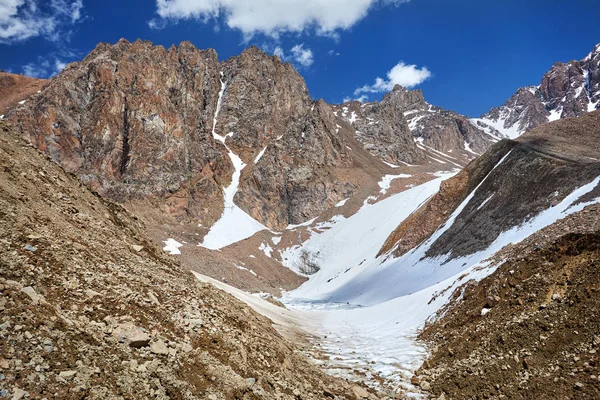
point(567, 90)
point(139, 122)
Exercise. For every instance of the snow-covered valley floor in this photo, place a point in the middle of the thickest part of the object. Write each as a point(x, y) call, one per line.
point(362, 312)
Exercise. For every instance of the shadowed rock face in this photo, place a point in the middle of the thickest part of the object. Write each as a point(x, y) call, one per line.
point(390, 128)
point(566, 90)
point(135, 122)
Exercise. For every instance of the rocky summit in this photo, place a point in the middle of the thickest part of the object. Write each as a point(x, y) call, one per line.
point(178, 226)
point(567, 90)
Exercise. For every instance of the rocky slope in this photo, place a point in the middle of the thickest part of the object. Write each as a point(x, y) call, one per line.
point(138, 122)
point(527, 331)
point(567, 90)
point(404, 128)
point(509, 184)
point(90, 308)
point(16, 88)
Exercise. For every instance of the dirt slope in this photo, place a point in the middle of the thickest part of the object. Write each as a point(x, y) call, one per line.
point(15, 88)
point(86, 313)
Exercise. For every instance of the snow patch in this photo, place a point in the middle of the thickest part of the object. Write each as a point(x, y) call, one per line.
point(172, 246)
point(259, 156)
point(386, 181)
point(265, 248)
point(341, 203)
point(234, 224)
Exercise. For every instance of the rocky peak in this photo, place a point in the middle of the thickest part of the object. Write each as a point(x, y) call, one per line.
point(566, 90)
point(404, 99)
point(404, 128)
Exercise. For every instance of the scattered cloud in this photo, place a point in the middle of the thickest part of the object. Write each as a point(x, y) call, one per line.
point(302, 56)
point(402, 74)
point(24, 19)
point(362, 99)
point(333, 53)
point(271, 17)
point(44, 67)
point(298, 55)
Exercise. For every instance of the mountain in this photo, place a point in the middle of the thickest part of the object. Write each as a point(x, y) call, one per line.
point(177, 127)
point(404, 129)
point(89, 307)
point(567, 90)
point(372, 221)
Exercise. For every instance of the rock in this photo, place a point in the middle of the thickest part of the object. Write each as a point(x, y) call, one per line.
point(187, 348)
point(360, 392)
point(67, 374)
point(425, 386)
point(35, 298)
point(92, 293)
point(133, 335)
point(579, 385)
point(137, 248)
point(19, 394)
point(4, 364)
point(30, 248)
point(251, 381)
point(159, 347)
point(415, 380)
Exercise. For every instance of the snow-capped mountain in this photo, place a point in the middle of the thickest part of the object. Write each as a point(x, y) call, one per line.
point(567, 90)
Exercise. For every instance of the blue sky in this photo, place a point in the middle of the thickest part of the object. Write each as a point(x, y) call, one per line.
point(466, 55)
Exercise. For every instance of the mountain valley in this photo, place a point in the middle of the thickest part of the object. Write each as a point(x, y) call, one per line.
point(365, 250)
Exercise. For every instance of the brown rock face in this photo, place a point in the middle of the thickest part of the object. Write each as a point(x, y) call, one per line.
point(567, 90)
point(135, 122)
point(403, 127)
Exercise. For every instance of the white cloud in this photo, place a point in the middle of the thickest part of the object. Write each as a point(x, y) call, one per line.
point(24, 19)
point(299, 55)
point(402, 74)
point(302, 56)
point(43, 68)
point(362, 99)
point(279, 52)
point(272, 17)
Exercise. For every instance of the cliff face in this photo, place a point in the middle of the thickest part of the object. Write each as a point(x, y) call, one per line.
point(136, 121)
point(133, 121)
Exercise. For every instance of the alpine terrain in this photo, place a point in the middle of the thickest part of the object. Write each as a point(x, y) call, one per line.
point(175, 225)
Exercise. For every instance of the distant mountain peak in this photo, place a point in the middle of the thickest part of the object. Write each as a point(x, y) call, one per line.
point(566, 90)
